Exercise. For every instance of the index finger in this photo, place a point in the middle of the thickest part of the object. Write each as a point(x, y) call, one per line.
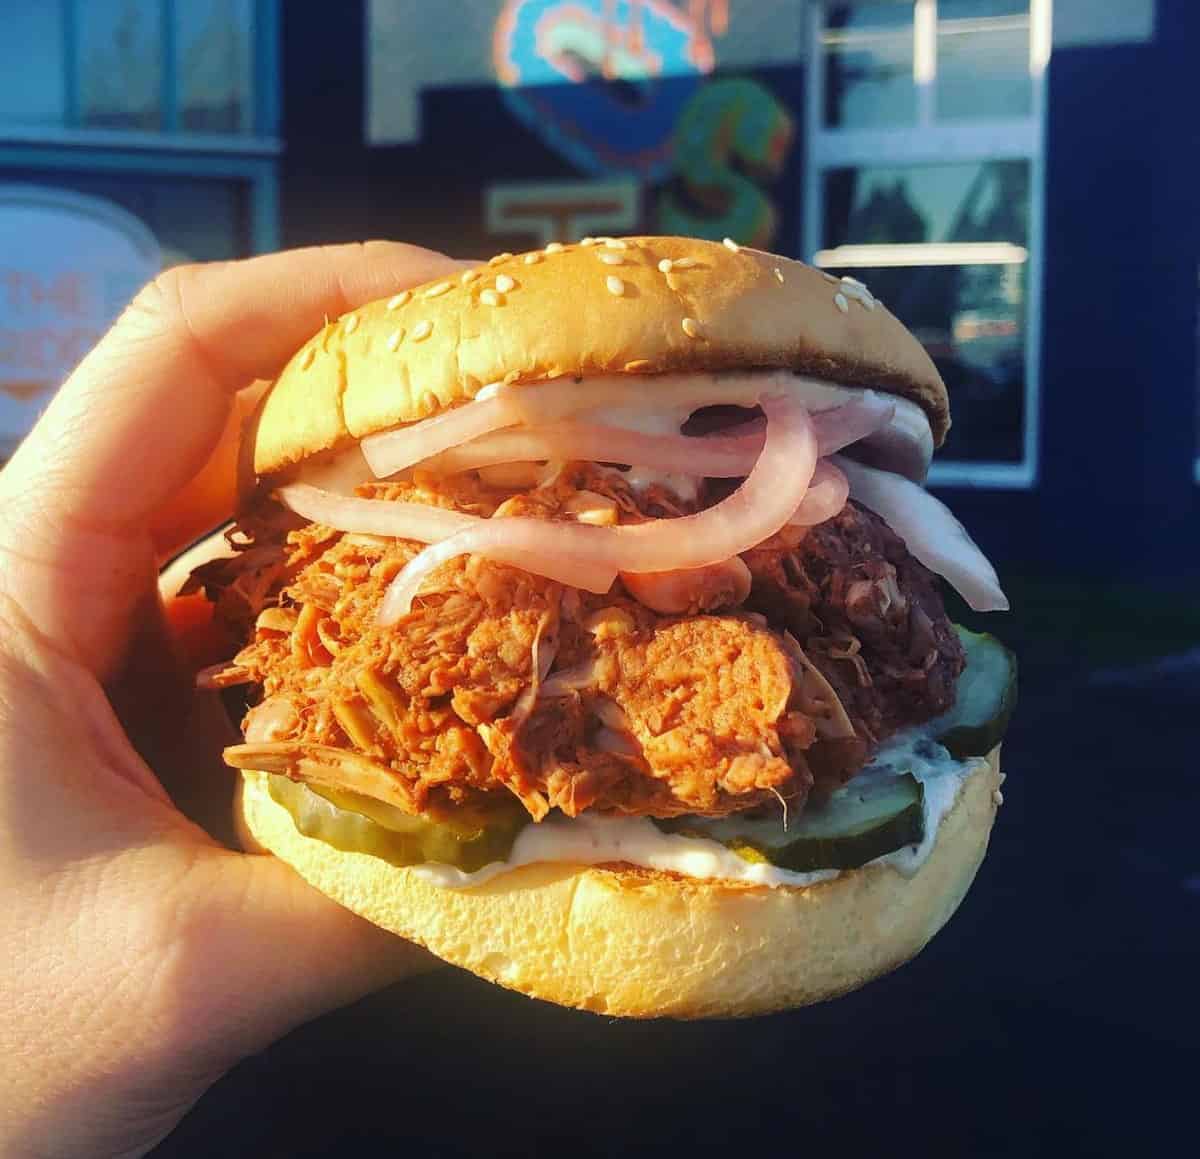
point(157, 391)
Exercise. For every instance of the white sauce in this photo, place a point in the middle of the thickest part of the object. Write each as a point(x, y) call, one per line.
point(685, 487)
point(659, 422)
point(595, 840)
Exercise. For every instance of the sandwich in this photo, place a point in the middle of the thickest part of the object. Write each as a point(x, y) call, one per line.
point(593, 629)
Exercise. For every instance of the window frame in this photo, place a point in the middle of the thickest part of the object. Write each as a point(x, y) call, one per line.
point(1015, 139)
point(263, 96)
point(258, 173)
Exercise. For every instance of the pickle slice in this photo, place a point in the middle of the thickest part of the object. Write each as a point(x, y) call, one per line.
point(473, 838)
point(987, 695)
point(863, 820)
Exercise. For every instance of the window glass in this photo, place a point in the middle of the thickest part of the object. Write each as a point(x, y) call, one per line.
point(32, 91)
point(944, 247)
point(867, 52)
point(983, 60)
point(970, 202)
point(214, 45)
point(120, 64)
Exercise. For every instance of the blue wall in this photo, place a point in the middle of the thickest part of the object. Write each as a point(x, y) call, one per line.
point(1116, 498)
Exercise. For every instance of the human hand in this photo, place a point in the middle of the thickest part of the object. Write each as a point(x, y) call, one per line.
point(141, 958)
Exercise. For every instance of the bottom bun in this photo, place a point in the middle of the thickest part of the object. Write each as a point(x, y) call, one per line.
point(640, 943)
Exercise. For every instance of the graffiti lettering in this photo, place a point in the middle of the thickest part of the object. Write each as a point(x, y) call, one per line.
point(562, 210)
point(546, 51)
point(26, 292)
point(729, 129)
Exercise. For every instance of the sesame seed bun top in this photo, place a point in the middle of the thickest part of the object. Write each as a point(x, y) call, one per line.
point(639, 306)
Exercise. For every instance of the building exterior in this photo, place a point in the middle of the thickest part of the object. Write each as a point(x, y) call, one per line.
point(1015, 178)
point(133, 134)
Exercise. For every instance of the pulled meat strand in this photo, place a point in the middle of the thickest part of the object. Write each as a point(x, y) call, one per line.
point(872, 621)
point(502, 680)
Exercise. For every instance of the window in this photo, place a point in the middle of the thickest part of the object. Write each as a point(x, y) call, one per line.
point(925, 182)
point(31, 63)
point(138, 66)
point(118, 65)
point(213, 45)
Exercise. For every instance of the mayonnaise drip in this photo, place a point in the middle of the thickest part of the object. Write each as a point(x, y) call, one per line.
point(588, 840)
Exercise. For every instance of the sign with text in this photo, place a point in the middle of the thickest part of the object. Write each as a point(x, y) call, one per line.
point(68, 266)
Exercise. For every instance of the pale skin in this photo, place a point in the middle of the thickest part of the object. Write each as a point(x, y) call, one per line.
point(142, 958)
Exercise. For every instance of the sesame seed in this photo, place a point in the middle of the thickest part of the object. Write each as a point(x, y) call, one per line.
point(306, 359)
point(998, 797)
point(499, 258)
point(637, 365)
point(585, 241)
point(855, 289)
point(684, 263)
point(504, 283)
point(554, 247)
point(615, 285)
point(778, 275)
point(665, 266)
point(731, 245)
point(468, 277)
point(395, 338)
point(490, 298)
point(532, 259)
point(691, 327)
point(436, 291)
point(422, 330)
point(839, 300)
point(398, 300)
point(615, 243)
point(609, 258)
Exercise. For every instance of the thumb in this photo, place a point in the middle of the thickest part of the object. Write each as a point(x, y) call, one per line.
point(287, 954)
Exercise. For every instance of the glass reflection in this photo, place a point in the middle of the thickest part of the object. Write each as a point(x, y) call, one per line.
point(868, 59)
point(32, 91)
point(214, 66)
point(983, 60)
point(969, 314)
point(975, 201)
point(120, 64)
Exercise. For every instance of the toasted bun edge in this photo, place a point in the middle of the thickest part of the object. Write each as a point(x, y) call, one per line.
point(572, 313)
point(639, 943)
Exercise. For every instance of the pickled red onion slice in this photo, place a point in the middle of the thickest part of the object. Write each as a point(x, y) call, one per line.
point(392, 451)
point(903, 437)
point(730, 454)
point(418, 521)
point(769, 496)
point(826, 496)
point(718, 456)
point(852, 421)
point(930, 532)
